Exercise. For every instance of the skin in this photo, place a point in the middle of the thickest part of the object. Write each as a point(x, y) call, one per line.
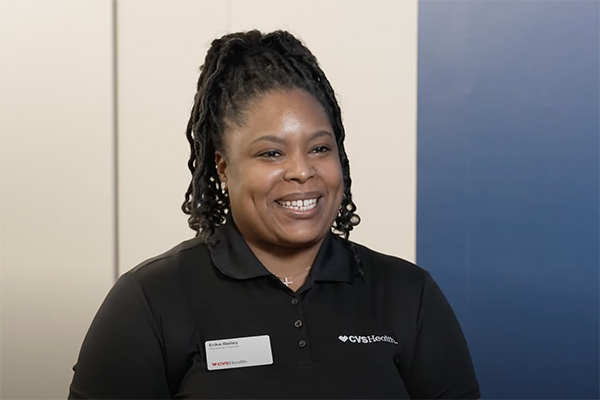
point(285, 150)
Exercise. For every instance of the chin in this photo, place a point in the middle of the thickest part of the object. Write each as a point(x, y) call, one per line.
point(301, 240)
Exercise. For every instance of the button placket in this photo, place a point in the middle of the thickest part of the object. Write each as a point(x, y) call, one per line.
point(301, 334)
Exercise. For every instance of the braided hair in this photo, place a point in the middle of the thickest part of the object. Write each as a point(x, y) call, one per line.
point(239, 67)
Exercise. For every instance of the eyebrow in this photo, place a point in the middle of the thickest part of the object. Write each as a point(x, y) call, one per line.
point(277, 139)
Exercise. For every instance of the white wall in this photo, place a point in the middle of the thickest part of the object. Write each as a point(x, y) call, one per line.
point(58, 156)
point(161, 45)
point(57, 187)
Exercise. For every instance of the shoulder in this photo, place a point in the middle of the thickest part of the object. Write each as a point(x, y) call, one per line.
point(393, 276)
point(182, 252)
point(385, 266)
point(180, 263)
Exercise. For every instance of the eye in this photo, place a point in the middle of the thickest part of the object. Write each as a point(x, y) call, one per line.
point(270, 154)
point(321, 149)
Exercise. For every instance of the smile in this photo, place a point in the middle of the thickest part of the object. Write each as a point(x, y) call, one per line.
point(299, 205)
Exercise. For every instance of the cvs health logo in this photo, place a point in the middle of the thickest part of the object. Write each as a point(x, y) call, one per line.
point(221, 363)
point(228, 363)
point(367, 339)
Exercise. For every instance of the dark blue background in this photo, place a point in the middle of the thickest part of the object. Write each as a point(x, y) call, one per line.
point(508, 186)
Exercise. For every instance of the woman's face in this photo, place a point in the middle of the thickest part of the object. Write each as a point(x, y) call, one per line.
point(282, 171)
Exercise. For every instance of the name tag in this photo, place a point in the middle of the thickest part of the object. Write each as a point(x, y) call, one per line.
point(238, 352)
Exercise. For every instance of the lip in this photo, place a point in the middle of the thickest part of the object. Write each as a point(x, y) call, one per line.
point(301, 214)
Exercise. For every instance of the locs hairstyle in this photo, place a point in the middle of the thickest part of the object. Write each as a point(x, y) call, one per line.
point(237, 68)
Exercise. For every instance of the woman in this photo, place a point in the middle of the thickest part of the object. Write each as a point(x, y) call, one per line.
point(267, 301)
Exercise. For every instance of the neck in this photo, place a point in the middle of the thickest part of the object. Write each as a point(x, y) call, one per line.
point(287, 261)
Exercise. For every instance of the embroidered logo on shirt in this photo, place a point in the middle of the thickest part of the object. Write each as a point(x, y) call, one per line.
point(367, 339)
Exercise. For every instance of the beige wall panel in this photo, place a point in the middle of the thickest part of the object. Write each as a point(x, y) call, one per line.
point(57, 190)
point(368, 49)
point(161, 47)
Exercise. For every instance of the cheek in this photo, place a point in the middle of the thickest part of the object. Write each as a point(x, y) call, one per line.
point(336, 177)
point(253, 182)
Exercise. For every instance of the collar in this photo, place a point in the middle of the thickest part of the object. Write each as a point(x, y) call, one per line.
point(232, 256)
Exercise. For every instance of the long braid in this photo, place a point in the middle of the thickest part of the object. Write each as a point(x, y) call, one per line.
point(205, 203)
point(237, 68)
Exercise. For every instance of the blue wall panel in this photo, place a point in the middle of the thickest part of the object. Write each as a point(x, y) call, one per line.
point(508, 186)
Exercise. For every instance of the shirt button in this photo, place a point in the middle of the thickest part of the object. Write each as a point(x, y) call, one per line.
point(298, 324)
point(295, 301)
point(302, 343)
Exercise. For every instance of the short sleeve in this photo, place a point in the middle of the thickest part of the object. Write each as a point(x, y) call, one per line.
point(121, 356)
point(441, 366)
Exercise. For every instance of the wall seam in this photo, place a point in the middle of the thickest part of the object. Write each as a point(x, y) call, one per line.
point(115, 102)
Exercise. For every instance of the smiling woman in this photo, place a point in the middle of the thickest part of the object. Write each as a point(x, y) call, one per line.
point(271, 299)
point(284, 179)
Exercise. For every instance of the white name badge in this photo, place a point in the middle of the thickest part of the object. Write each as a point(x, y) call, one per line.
point(238, 352)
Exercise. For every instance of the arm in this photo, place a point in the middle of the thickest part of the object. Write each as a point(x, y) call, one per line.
point(441, 366)
point(122, 354)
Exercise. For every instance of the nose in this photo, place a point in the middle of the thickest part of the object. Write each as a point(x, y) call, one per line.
point(299, 169)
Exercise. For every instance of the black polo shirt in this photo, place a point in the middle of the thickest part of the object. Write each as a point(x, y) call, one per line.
point(382, 331)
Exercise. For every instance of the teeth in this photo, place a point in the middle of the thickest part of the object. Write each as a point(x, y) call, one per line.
point(301, 205)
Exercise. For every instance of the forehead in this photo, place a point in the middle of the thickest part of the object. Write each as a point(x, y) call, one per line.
point(291, 114)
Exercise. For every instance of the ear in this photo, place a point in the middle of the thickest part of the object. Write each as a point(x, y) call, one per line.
point(221, 165)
